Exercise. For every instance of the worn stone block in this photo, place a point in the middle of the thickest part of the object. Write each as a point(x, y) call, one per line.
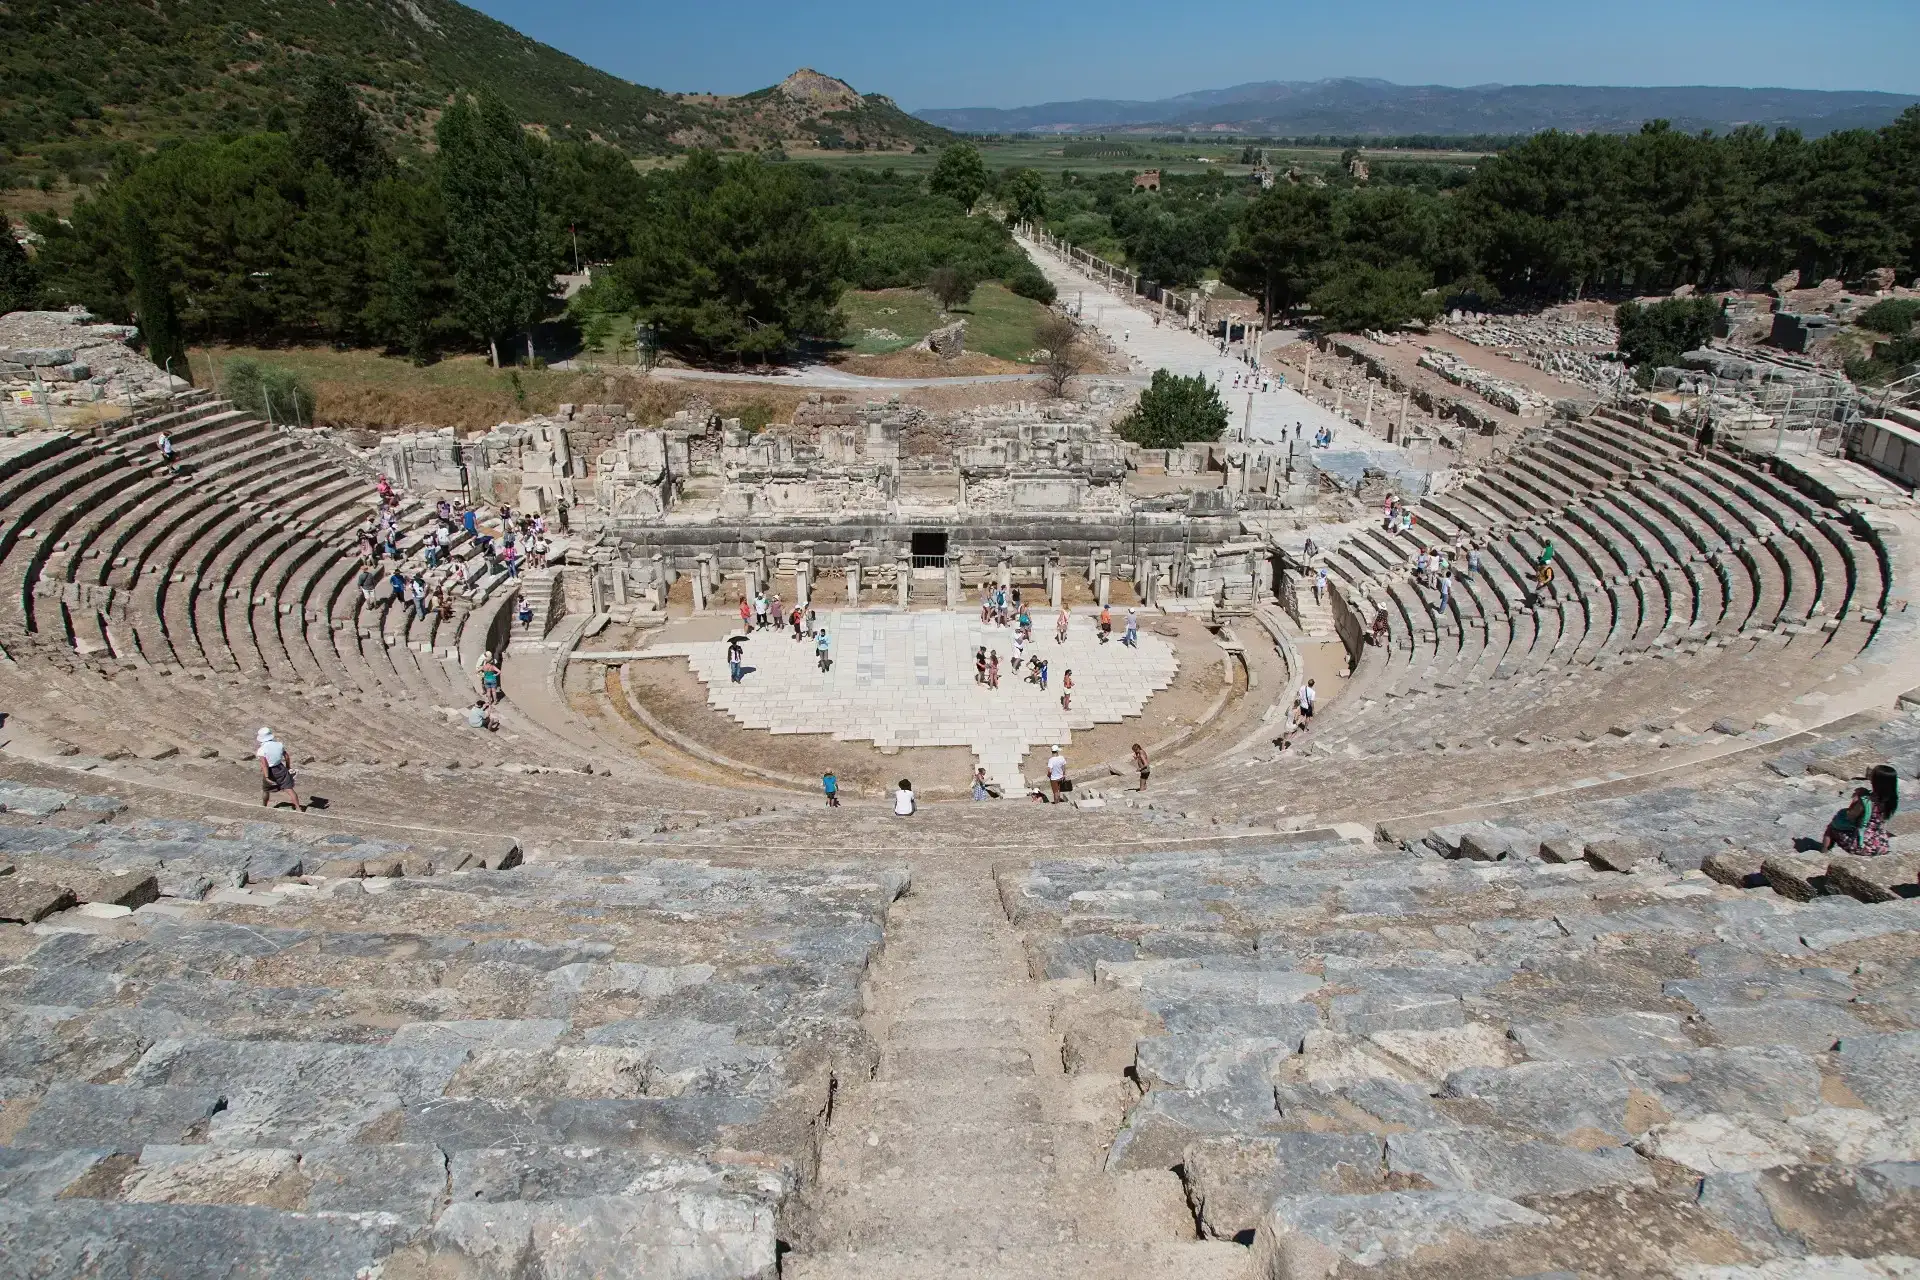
point(698, 1235)
point(1592, 1038)
point(1232, 1180)
point(403, 1179)
point(1883, 1070)
point(1802, 878)
point(1617, 854)
point(1881, 879)
point(27, 901)
point(342, 869)
point(117, 1116)
point(1483, 1160)
point(1312, 1237)
point(1737, 867)
point(101, 1238)
point(1562, 849)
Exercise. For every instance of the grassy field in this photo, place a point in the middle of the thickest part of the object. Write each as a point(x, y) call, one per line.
point(1000, 323)
point(364, 389)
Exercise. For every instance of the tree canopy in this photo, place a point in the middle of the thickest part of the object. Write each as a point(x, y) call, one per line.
point(1658, 334)
point(1173, 411)
point(1553, 216)
point(959, 174)
point(332, 130)
point(731, 261)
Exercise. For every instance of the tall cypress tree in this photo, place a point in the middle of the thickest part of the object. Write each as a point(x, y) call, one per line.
point(19, 282)
point(154, 309)
point(489, 181)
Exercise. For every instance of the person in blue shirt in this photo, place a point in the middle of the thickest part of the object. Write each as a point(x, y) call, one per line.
point(831, 786)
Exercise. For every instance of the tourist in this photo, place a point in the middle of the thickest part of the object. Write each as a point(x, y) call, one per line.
point(1319, 584)
point(903, 800)
point(797, 620)
point(1446, 591)
point(980, 791)
point(776, 615)
point(746, 613)
point(470, 521)
point(1131, 637)
point(418, 590)
point(980, 665)
point(1378, 634)
point(480, 716)
point(986, 604)
point(993, 669)
point(1019, 653)
point(1308, 696)
point(1140, 765)
point(1861, 827)
point(276, 769)
point(734, 655)
point(1066, 690)
point(1106, 624)
point(813, 621)
point(1473, 563)
point(166, 450)
point(1420, 564)
point(1056, 773)
point(526, 614)
point(398, 582)
point(822, 650)
point(830, 785)
point(490, 677)
point(1060, 626)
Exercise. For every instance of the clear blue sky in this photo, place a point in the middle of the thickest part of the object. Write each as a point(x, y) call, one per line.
point(1005, 53)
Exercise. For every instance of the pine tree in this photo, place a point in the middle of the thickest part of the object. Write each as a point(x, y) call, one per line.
point(154, 309)
point(334, 131)
point(489, 181)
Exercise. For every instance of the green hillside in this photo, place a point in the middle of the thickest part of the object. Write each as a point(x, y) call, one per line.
point(79, 82)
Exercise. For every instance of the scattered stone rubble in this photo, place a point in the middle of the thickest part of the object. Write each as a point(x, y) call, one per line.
point(1495, 391)
point(69, 358)
point(1570, 349)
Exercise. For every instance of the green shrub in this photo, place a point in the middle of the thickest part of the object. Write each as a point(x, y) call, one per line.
point(1028, 282)
point(1891, 316)
point(276, 394)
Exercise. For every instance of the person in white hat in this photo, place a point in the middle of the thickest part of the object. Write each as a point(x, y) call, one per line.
point(1056, 773)
point(1131, 636)
point(276, 768)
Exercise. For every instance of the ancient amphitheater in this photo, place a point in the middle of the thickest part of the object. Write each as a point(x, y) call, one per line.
point(1521, 960)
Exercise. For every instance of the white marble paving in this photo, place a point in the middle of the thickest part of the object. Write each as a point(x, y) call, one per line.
point(907, 680)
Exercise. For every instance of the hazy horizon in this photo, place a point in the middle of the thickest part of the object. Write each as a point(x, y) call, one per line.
point(1006, 55)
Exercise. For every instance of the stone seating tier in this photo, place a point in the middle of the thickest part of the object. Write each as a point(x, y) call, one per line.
point(1408, 1056)
point(137, 590)
point(252, 1050)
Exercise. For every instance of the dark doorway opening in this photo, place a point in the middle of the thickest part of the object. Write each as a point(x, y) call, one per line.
point(929, 548)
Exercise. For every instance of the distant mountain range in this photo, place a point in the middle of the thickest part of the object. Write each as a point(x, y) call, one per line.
point(1293, 108)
